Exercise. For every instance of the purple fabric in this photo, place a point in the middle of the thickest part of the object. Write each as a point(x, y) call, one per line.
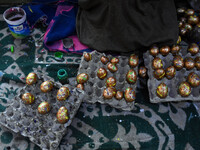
point(62, 26)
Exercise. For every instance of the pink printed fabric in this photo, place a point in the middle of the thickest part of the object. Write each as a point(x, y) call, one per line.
point(57, 30)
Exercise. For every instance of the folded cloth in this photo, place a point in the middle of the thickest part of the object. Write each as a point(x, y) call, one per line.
point(63, 25)
point(39, 12)
point(125, 26)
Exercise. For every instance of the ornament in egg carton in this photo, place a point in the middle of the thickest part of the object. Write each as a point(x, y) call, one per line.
point(173, 72)
point(109, 80)
point(43, 110)
point(189, 25)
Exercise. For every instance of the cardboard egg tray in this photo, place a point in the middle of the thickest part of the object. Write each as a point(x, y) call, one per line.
point(94, 86)
point(43, 130)
point(173, 83)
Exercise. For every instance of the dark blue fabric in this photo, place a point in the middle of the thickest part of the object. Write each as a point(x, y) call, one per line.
point(40, 11)
point(64, 25)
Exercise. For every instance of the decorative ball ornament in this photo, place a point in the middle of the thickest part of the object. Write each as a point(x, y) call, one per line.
point(101, 73)
point(46, 86)
point(31, 78)
point(184, 89)
point(62, 115)
point(162, 90)
point(28, 98)
point(82, 78)
point(63, 93)
point(87, 56)
point(44, 108)
point(133, 60)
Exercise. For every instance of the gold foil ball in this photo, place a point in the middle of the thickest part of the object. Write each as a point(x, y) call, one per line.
point(193, 79)
point(157, 63)
point(28, 98)
point(193, 49)
point(44, 108)
point(46, 86)
point(31, 78)
point(104, 60)
point(112, 67)
point(131, 76)
point(114, 60)
point(87, 56)
point(129, 95)
point(175, 49)
point(189, 63)
point(178, 62)
point(102, 73)
point(193, 20)
point(133, 60)
point(165, 50)
point(189, 12)
point(63, 93)
point(62, 115)
point(154, 50)
point(162, 90)
point(159, 73)
point(119, 95)
point(80, 86)
point(82, 78)
point(184, 89)
point(111, 82)
point(197, 62)
point(170, 72)
point(143, 72)
point(109, 93)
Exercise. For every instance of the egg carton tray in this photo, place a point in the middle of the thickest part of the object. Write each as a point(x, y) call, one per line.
point(173, 83)
point(43, 130)
point(94, 86)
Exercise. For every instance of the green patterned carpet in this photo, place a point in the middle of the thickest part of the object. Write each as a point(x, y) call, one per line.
point(165, 126)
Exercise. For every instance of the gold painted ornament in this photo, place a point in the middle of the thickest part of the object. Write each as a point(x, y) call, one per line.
point(101, 73)
point(189, 63)
point(170, 72)
point(112, 67)
point(165, 50)
point(157, 63)
point(154, 50)
point(162, 90)
point(193, 79)
point(44, 108)
point(87, 56)
point(193, 49)
point(129, 95)
point(82, 78)
point(28, 98)
point(63, 93)
point(184, 89)
point(31, 78)
point(114, 60)
point(159, 73)
point(80, 86)
point(111, 82)
point(175, 49)
point(104, 60)
point(46, 86)
point(109, 93)
point(178, 62)
point(133, 60)
point(197, 62)
point(119, 95)
point(142, 72)
point(131, 76)
point(62, 115)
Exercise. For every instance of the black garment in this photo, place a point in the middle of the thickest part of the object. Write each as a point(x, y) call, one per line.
point(126, 25)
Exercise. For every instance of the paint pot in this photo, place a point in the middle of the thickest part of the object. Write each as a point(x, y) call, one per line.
point(62, 76)
point(16, 19)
